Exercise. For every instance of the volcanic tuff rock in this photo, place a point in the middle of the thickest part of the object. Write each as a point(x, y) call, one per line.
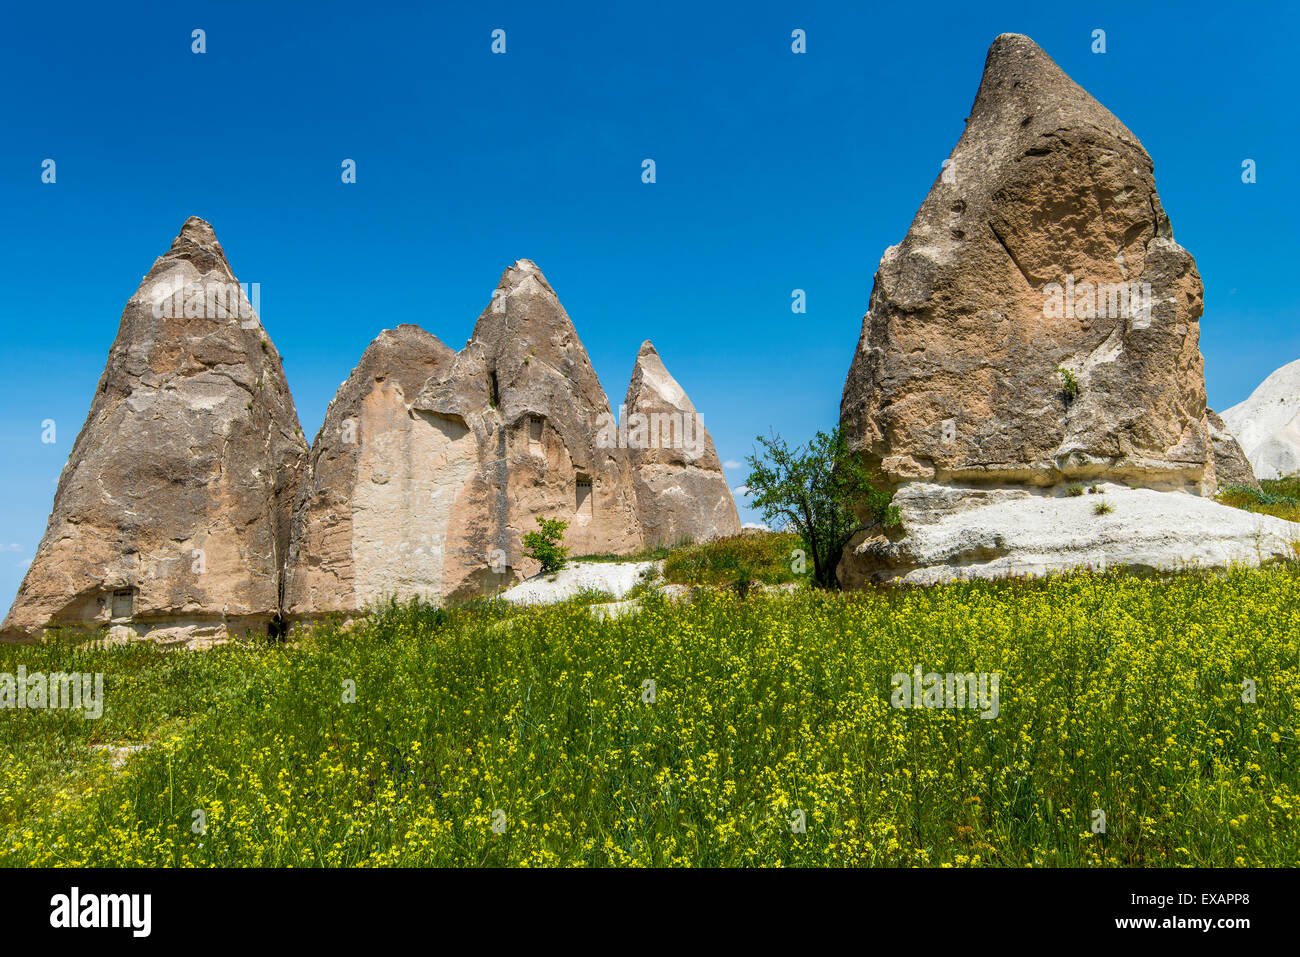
point(525, 397)
point(173, 509)
point(955, 375)
point(191, 504)
point(1268, 424)
point(1023, 530)
point(1038, 325)
point(681, 491)
point(373, 511)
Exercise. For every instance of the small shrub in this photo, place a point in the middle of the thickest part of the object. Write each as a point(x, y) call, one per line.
point(823, 490)
point(544, 545)
point(1102, 508)
point(1074, 490)
point(1069, 385)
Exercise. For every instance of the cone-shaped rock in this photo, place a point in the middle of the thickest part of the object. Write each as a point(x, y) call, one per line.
point(173, 508)
point(1036, 332)
point(1268, 424)
point(525, 391)
point(1042, 246)
point(680, 489)
point(373, 512)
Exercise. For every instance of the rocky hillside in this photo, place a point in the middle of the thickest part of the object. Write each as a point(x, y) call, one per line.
point(1268, 424)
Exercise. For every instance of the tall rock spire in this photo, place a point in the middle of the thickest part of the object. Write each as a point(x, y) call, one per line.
point(173, 508)
point(526, 390)
point(1038, 323)
point(681, 491)
point(373, 512)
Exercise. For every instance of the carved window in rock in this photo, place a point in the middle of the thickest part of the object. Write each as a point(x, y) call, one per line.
point(583, 495)
point(536, 444)
point(122, 603)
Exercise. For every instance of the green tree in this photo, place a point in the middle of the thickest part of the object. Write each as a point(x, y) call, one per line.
point(818, 489)
point(544, 546)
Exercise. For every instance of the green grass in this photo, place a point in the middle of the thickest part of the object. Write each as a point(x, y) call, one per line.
point(763, 557)
point(592, 596)
point(1117, 694)
point(1276, 497)
point(645, 555)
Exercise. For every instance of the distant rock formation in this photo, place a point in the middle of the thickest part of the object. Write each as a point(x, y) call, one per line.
point(191, 504)
point(1231, 466)
point(431, 465)
point(1268, 424)
point(374, 508)
point(1037, 327)
point(171, 516)
point(524, 399)
point(681, 491)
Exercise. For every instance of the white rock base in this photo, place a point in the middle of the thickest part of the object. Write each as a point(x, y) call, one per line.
point(950, 533)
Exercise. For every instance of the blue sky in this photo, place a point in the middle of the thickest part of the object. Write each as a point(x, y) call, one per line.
point(775, 171)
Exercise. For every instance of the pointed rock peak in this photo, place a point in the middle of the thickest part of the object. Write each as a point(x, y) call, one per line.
point(406, 334)
point(653, 385)
point(1015, 51)
point(193, 388)
point(521, 278)
point(1022, 88)
point(521, 271)
point(197, 243)
point(681, 491)
point(1044, 190)
point(199, 231)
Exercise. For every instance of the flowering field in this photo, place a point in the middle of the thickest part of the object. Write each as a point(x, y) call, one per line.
point(732, 731)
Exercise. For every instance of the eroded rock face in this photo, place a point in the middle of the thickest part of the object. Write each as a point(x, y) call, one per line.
point(524, 392)
point(1046, 205)
point(372, 515)
point(172, 513)
point(680, 488)
point(1267, 424)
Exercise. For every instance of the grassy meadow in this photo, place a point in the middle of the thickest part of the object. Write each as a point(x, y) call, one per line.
point(1277, 497)
point(488, 736)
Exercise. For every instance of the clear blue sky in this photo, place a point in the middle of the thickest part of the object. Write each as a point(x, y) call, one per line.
point(776, 171)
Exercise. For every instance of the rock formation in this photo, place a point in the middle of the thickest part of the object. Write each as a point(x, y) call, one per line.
point(374, 508)
point(191, 505)
point(1268, 424)
point(432, 466)
point(523, 399)
point(1027, 257)
point(680, 489)
point(1037, 327)
point(172, 514)
point(954, 533)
